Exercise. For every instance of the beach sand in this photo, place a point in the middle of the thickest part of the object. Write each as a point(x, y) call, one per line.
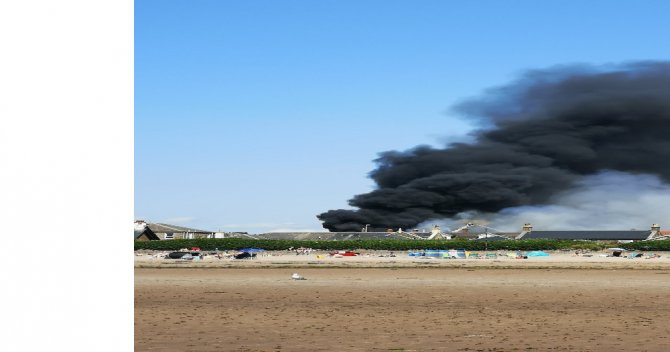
point(380, 259)
point(400, 308)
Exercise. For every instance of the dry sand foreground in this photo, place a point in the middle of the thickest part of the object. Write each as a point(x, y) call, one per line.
point(394, 309)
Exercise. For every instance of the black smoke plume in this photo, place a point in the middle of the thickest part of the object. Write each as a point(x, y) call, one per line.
point(541, 134)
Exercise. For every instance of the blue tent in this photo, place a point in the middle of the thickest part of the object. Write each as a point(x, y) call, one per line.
point(252, 250)
point(537, 254)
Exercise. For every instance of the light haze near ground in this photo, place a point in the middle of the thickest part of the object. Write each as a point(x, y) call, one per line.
point(257, 115)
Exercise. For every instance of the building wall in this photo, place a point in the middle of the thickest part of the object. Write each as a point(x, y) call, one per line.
point(182, 235)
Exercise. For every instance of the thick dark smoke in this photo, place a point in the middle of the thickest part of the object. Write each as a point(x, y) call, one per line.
point(543, 133)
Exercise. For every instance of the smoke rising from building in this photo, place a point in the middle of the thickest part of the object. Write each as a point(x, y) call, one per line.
point(608, 200)
point(541, 136)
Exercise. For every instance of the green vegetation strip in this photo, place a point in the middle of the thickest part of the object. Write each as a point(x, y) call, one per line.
point(398, 245)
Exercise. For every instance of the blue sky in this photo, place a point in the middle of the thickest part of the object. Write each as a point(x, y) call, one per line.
point(257, 115)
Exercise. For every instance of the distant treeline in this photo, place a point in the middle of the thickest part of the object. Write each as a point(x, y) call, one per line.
point(397, 245)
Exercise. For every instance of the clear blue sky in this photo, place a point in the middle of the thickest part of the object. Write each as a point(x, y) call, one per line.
point(258, 115)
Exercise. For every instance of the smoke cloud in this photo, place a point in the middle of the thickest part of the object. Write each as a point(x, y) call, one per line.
point(609, 200)
point(548, 133)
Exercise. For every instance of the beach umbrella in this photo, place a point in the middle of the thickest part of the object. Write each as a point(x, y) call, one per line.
point(252, 250)
point(616, 249)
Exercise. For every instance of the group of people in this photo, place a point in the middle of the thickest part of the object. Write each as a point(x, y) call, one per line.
point(301, 251)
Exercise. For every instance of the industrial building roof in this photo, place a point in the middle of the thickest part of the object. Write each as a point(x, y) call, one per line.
point(588, 235)
point(338, 235)
point(492, 238)
point(150, 234)
point(166, 228)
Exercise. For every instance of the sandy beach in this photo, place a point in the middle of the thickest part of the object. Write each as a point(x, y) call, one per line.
point(380, 259)
point(403, 305)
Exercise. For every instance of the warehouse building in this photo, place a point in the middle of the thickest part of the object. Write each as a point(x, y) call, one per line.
point(653, 233)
